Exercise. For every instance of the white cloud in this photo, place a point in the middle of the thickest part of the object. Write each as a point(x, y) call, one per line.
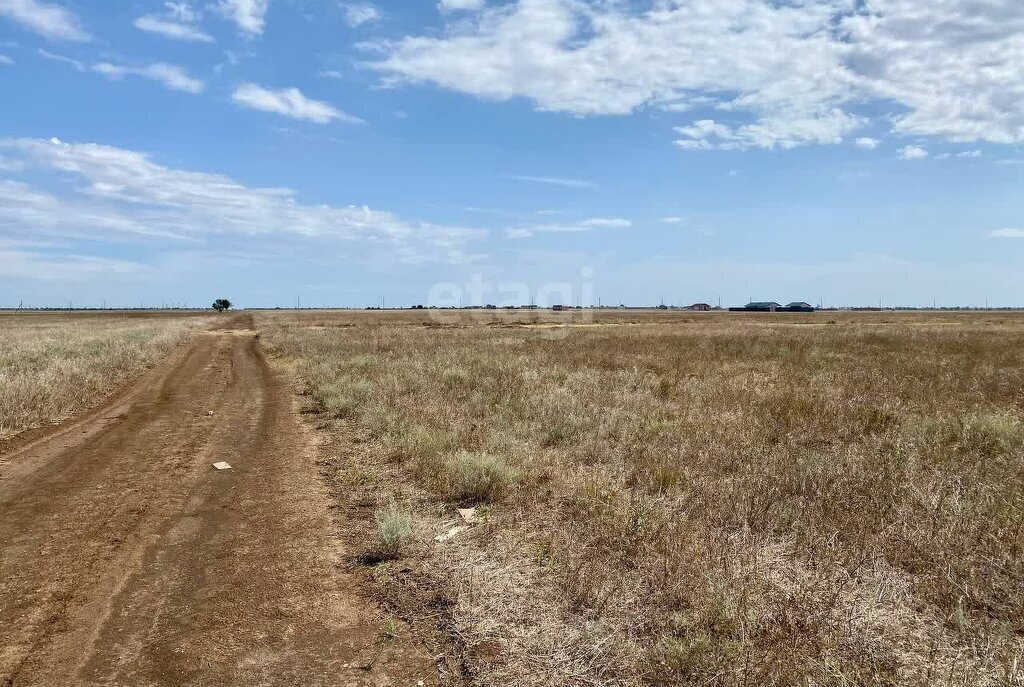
point(9, 165)
point(707, 134)
point(913, 153)
point(77, 65)
point(781, 74)
point(171, 76)
point(248, 15)
point(555, 181)
point(122, 192)
point(51, 21)
point(606, 223)
point(172, 29)
point(24, 264)
point(182, 11)
point(672, 220)
point(25, 207)
point(457, 5)
point(289, 102)
point(357, 14)
point(868, 143)
point(964, 154)
point(1008, 234)
point(4, 59)
point(568, 228)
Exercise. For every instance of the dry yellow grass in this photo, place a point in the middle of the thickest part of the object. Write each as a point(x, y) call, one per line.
point(54, 365)
point(722, 499)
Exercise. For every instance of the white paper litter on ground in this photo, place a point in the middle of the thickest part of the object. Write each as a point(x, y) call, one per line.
point(222, 465)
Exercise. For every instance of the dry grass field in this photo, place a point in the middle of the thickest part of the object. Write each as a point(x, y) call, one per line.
point(53, 365)
point(669, 498)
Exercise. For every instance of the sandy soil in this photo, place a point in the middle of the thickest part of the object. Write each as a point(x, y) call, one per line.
point(127, 559)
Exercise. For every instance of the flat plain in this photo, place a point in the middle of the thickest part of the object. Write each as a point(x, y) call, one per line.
point(615, 497)
point(683, 498)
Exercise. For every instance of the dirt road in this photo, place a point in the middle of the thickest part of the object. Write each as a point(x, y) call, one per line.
point(127, 559)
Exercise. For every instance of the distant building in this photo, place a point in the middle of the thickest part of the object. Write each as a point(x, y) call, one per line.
point(558, 308)
point(759, 306)
point(772, 306)
point(700, 307)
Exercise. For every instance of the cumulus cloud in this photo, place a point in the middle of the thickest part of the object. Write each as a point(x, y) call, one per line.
point(51, 21)
point(555, 181)
point(780, 74)
point(913, 153)
point(171, 76)
point(707, 134)
point(359, 13)
point(122, 192)
point(868, 143)
point(671, 220)
point(290, 102)
point(248, 15)
point(1008, 234)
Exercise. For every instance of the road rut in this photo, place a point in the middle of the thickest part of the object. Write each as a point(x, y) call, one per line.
point(127, 559)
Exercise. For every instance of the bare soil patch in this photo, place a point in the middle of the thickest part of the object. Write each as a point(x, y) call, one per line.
point(128, 559)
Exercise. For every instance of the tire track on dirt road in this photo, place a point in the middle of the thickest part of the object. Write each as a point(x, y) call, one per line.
point(126, 559)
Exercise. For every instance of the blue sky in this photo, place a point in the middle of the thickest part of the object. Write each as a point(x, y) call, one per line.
point(842, 151)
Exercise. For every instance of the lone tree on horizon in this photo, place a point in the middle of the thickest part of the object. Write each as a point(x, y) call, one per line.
point(221, 304)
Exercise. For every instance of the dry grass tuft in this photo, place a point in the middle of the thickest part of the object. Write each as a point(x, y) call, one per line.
point(720, 500)
point(394, 529)
point(470, 478)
